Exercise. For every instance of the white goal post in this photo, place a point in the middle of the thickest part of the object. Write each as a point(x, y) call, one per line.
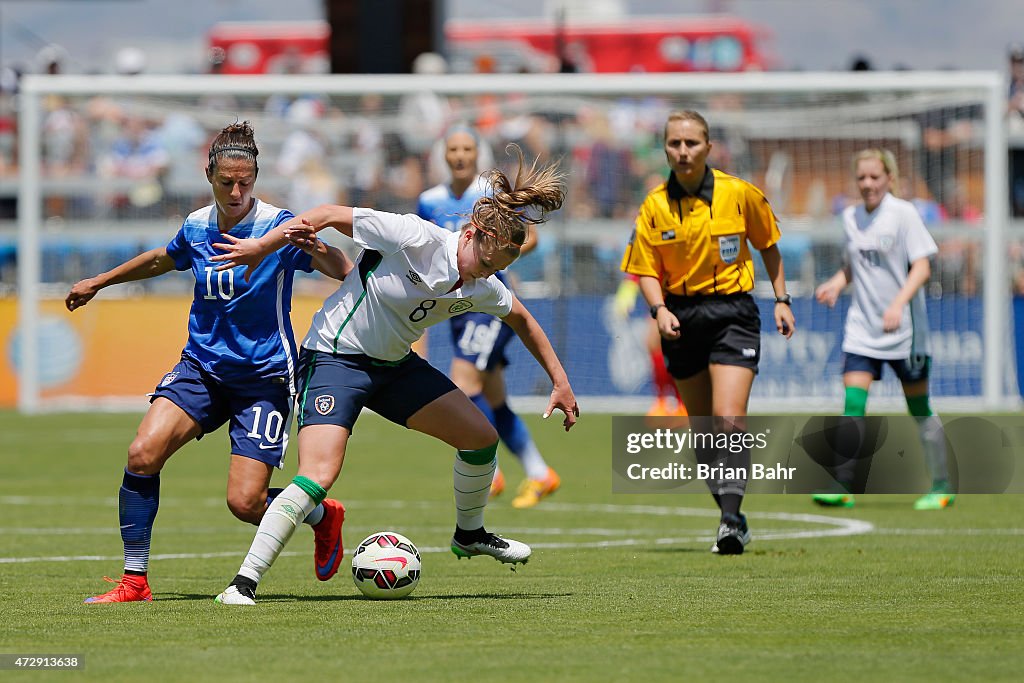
point(838, 108)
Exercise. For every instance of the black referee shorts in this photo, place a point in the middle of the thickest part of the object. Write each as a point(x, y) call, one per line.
point(723, 329)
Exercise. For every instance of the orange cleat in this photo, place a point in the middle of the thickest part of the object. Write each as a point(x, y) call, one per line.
point(659, 408)
point(131, 588)
point(328, 548)
point(532, 491)
point(498, 483)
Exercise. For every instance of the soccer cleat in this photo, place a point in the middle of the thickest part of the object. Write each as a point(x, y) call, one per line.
point(131, 588)
point(939, 498)
point(833, 500)
point(659, 408)
point(502, 549)
point(733, 535)
point(498, 483)
point(236, 595)
point(532, 491)
point(328, 547)
point(934, 501)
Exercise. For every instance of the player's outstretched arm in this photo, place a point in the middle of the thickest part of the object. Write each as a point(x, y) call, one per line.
point(331, 261)
point(146, 265)
point(324, 216)
point(327, 259)
point(527, 328)
point(250, 252)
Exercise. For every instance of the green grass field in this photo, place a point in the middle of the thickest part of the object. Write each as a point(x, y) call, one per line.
point(620, 588)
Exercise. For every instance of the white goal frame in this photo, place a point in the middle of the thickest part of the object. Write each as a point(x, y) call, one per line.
point(989, 87)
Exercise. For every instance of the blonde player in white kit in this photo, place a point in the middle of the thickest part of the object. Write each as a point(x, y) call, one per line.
point(410, 275)
point(887, 260)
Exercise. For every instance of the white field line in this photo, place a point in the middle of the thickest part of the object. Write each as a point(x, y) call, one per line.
point(832, 526)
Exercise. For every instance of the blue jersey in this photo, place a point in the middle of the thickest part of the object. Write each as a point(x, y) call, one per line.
point(439, 206)
point(238, 330)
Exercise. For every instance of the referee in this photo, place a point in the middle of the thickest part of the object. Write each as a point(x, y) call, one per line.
point(691, 251)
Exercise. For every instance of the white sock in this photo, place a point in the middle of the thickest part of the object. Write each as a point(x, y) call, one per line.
point(933, 439)
point(472, 488)
point(533, 461)
point(316, 516)
point(279, 522)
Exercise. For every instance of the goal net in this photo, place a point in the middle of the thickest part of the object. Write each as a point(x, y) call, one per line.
point(109, 166)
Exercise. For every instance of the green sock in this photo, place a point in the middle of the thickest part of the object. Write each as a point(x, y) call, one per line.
point(856, 402)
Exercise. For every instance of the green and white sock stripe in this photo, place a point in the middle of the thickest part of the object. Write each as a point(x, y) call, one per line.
point(315, 491)
point(471, 480)
point(480, 456)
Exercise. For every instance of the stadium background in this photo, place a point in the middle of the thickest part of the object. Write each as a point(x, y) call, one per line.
point(114, 163)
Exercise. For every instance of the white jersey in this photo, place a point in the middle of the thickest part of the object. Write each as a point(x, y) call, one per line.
point(880, 246)
point(404, 282)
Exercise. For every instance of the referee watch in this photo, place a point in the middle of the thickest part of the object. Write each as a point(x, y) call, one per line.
point(784, 299)
point(654, 310)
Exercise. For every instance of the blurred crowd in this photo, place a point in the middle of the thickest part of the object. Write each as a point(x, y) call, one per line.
point(132, 159)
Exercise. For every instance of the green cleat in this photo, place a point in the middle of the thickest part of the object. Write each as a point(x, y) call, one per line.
point(939, 498)
point(833, 500)
point(934, 501)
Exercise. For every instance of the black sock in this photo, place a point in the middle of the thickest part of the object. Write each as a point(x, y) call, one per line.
point(465, 537)
point(730, 503)
point(132, 572)
point(244, 582)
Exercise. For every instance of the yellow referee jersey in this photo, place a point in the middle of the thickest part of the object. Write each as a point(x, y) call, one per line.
point(698, 245)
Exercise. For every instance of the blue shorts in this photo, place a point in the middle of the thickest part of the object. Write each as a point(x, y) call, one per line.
point(259, 411)
point(334, 388)
point(481, 339)
point(913, 369)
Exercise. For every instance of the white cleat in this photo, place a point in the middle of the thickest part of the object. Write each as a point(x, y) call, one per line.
point(232, 595)
point(502, 549)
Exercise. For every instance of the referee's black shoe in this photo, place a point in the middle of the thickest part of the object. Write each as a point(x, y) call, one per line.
point(733, 535)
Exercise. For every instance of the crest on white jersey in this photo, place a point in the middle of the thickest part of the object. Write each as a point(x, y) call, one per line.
point(324, 404)
point(729, 248)
point(460, 306)
point(886, 242)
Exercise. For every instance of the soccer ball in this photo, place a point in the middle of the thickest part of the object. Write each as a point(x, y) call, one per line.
point(385, 566)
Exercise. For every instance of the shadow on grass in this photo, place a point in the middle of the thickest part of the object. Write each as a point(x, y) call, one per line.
point(669, 550)
point(281, 597)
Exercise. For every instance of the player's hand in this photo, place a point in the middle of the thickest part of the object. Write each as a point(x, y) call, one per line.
point(563, 399)
point(827, 293)
point(239, 252)
point(892, 318)
point(303, 236)
point(785, 322)
point(81, 293)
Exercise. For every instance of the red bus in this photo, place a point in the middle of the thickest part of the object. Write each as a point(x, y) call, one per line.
point(653, 44)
